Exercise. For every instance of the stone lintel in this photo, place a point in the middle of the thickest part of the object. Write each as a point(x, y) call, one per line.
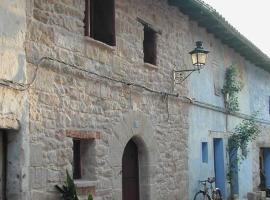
point(9, 122)
point(83, 135)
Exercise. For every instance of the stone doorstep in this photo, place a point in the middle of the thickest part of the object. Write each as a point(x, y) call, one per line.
point(85, 135)
point(84, 187)
point(257, 196)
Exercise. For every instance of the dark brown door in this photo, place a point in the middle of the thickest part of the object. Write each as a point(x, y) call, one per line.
point(3, 149)
point(130, 172)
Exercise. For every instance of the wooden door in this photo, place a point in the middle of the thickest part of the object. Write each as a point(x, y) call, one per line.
point(2, 165)
point(130, 172)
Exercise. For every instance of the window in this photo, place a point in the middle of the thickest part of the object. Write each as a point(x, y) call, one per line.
point(204, 152)
point(150, 46)
point(77, 174)
point(100, 20)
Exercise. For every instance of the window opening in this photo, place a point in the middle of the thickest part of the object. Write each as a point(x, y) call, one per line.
point(77, 159)
point(204, 152)
point(100, 20)
point(150, 45)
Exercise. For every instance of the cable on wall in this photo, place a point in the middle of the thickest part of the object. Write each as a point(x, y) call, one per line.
point(185, 99)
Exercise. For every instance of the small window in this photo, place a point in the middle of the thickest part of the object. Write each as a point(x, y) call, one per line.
point(77, 174)
point(204, 152)
point(150, 46)
point(100, 20)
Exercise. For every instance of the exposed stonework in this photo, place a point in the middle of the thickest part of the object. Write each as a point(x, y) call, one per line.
point(65, 103)
point(14, 104)
point(9, 122)
point(66, 99)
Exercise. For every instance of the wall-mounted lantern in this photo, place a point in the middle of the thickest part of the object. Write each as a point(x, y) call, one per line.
point(198, 57)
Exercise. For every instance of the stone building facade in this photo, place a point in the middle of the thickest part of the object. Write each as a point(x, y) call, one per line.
point(65, 103)
point(98, 96)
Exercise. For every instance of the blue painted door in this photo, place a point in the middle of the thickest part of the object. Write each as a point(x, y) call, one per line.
point(219, 165)
point(266, 156)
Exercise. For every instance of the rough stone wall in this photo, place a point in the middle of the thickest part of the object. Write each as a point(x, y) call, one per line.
point(13, 103)
point(65, 99)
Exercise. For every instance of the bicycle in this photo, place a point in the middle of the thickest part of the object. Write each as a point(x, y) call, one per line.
point(203, 194)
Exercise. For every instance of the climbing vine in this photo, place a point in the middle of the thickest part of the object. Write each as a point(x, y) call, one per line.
point(231, 88)
point(244, 133)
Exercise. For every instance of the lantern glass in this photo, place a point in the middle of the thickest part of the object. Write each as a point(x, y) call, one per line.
point(199, 55)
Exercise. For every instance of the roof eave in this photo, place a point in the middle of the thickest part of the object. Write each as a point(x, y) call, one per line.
point(206, 16)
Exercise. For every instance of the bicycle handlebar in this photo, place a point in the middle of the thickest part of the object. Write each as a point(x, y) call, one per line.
point(209, 180)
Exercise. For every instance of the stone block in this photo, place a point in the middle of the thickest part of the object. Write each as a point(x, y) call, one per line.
point(253, 196)
point(36, 155)
point(9, 122)
point(41, 195)
point(38, 177)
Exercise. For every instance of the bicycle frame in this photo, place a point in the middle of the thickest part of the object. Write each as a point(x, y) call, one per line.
point(214, 192)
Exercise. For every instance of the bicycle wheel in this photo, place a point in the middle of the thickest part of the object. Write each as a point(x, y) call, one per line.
point(201, 196)
point(218, 195)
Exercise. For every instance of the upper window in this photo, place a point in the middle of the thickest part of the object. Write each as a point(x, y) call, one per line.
point(150, 46)
point(100, 20)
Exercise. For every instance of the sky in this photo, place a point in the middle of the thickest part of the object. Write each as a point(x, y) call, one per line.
point(250, 18)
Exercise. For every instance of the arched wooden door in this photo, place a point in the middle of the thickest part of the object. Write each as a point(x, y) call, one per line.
point(130, 172)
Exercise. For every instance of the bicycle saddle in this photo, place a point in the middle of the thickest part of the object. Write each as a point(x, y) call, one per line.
point(211, 179)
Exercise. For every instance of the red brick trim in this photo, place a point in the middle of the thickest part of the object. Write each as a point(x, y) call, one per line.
point(84, 135)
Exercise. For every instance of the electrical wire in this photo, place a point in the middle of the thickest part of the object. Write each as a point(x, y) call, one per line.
point(185, 99)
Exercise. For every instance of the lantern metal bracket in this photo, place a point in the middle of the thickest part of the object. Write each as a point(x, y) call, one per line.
point(198, 56)
point(179, 76)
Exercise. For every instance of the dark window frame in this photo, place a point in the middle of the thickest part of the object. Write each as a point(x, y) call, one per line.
point(150, 46)
point(77, 167)
point(100, 21)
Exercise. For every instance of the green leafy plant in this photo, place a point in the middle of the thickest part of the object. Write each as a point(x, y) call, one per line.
point(244, 133)
point(231, 88)
point(68, 190)
point(90, 197)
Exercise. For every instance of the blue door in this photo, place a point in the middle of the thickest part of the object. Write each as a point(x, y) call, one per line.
point(266, 156)
point(219, 165)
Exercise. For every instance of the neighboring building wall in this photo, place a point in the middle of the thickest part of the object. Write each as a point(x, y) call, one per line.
point(259, 92)
point(14, 103)
point(64, 100)
point(206, 124)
